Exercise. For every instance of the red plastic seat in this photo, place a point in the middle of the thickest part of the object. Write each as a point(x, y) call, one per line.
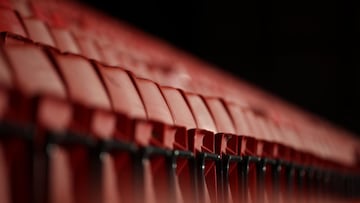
point(34, 64)
point(202, 115)
point(88, 48)
point(220, 115)
point(125, 100)
point(154, 102)
point(202, 141)
point(10, 22)
point(180, 110)
point(38, 31)
point(158, 186)
point(157, 110)
point(183, 118)
point(23, 8)
point(48, 79)
point(181, 113)
point(64, 40)
point(109, 56)
point(45, 81)
point(87, 92)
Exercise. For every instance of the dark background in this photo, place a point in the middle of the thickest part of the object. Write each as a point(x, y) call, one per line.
point(306, 52)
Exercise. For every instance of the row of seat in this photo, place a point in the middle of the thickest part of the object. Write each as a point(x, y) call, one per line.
point(100, 92)
point(64, 93)
point(39, 27)
point(76, 29)
point(72, 27)
point(102, 98)
point(298, 141)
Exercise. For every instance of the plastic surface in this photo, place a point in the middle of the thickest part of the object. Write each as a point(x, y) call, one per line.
point(220, 115)
point(10, 22)
point(180, 110)
point(83, 83)
point(123, 93)
point(121, 116)
point(155, 105)
point(201, 113)
point(88, 48)
point(240, 123)
point(34, 64)
point(65, 41)
point(38, 31)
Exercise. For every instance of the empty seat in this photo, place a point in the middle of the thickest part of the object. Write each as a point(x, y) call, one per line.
point(34, 64)
point(64, 40)
point(201, 113)
point(38, 31)
point(125, 100)
point(87, 91)
point(45, 82)
point(88, 48)
point(10, 22)
point(154, 102)
point(221, 117)
point(180, 110)
point(23, 8)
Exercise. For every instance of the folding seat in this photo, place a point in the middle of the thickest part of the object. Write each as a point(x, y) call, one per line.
point(184, 120)
point(268, 188)
point(85, 117)
point(256, 148)
point(297, 154)
point(141, 70)
point(158, 165)
point(226, 145)
point(281, 153)
point(254, 144)
point(144, 118)
point(202, 143)
point(23, 8)
point(65, 40)
point(220, 115)
point(47, 12)
point(242, 128)
point(122, 89)
point(88, 94)
point(46, 93)
point(41, 70)
point(109, 56)
point(125, 100)
point(92, 121)
point(122, 160)
point(10, 22)
point(157, 110)
point(88, 47)
point(292, 169)
point(38, 31)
